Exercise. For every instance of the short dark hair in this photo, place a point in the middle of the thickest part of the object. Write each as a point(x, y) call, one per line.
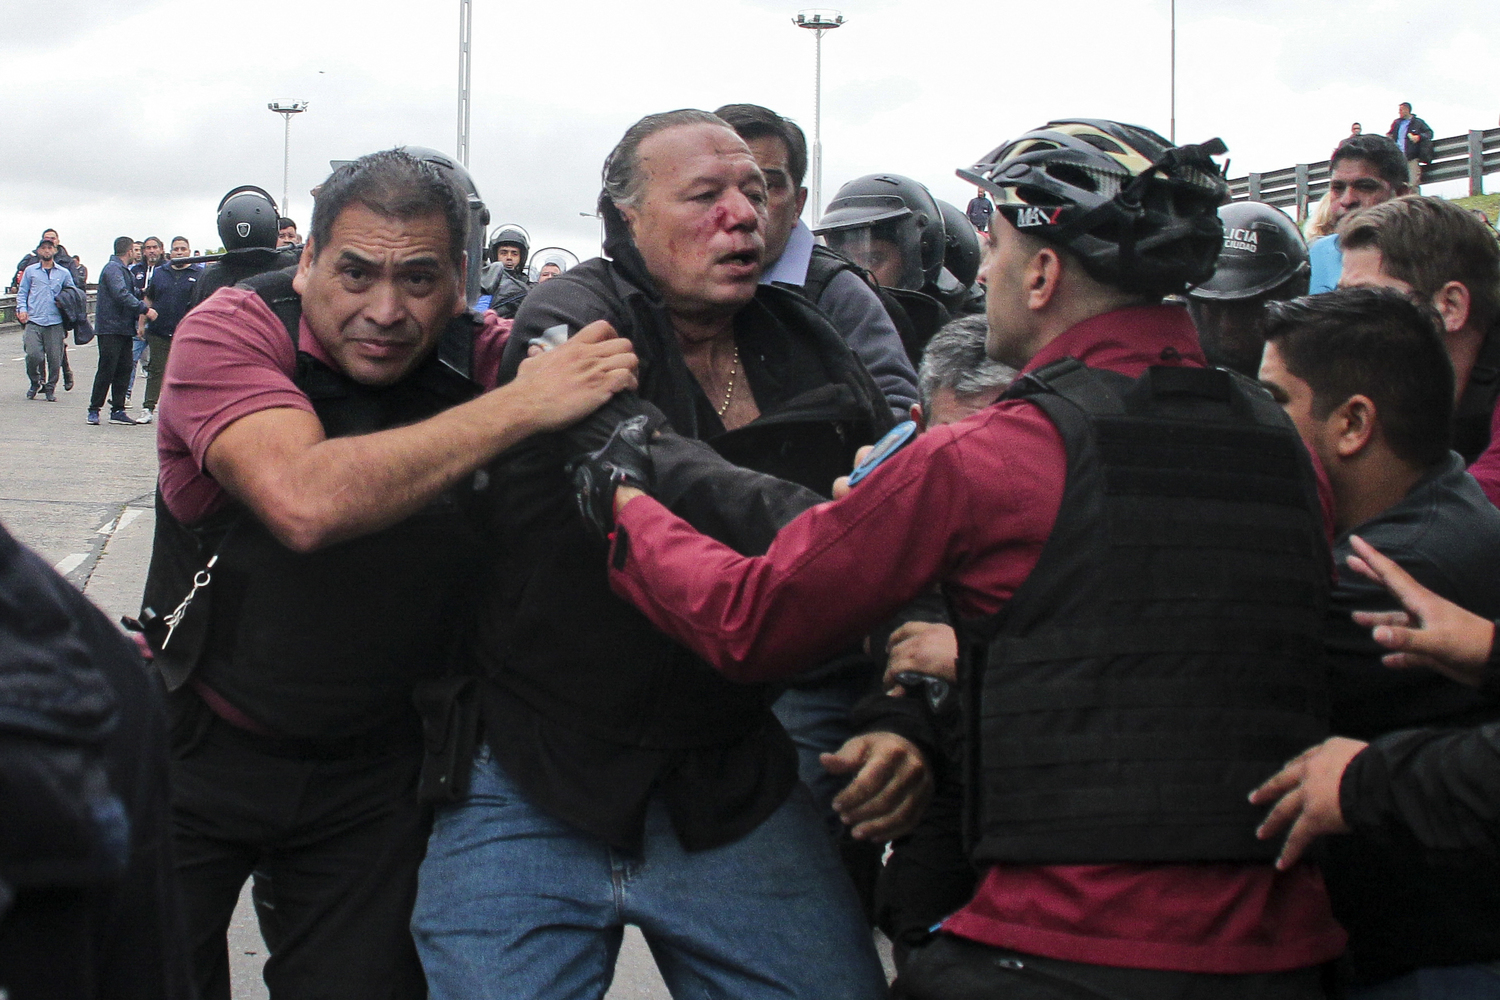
point(123, 244)
point(1428, 242)
point(1376, 150)
point(182, 238)
point(394, 184)
point(49, 229)
point(1405, 104)
point(284, 222)
point(752, 121)
point(955, 359)
point(1378, 343)
point(622, 182)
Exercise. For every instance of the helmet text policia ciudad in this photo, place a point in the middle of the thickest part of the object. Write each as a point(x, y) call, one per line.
point(1137, 212)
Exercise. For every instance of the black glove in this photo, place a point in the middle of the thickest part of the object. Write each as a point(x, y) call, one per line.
point(624, 459)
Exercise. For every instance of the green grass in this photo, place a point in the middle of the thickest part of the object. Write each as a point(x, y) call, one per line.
point(1489, 204)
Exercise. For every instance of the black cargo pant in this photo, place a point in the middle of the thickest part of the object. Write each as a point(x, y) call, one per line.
point(337, 842)
point(952, 968)
point(115, 362)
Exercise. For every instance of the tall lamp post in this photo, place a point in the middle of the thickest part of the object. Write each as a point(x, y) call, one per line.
point(818, 20)
point(1172, 132)
point(465, 72)
point(286, 109)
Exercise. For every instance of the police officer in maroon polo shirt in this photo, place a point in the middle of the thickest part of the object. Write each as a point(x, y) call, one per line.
point(1133, 545)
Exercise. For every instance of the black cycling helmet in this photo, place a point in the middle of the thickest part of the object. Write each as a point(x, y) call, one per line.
point(477, 214)
point(961, 250)
point(1137, 212)
point(515, 236)
point(248, 218)
point(895, 210)
point(1262, 251)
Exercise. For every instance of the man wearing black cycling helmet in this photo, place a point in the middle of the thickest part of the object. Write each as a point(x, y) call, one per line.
point(1135, 553)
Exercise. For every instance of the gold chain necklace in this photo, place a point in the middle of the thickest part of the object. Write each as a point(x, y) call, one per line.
point(734, 369)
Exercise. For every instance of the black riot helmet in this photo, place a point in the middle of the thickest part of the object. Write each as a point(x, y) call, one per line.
point(515, 236)
point(477, 214)
point(890, 225)
point(1262, 251)
point(1136, 211)
point(248, 218)
point(961, 250)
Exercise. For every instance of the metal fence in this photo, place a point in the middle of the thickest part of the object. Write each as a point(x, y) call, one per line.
point(1299, 187)
point(8, 307)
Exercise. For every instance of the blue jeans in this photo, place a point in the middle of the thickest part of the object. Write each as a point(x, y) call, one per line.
point(1477, 981)
point(514, 904)
point(817, 720)
point(137, 348)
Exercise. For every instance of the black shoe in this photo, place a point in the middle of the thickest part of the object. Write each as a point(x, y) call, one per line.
point(67, 381)
point(31, 393)
point(121, 417)
point(93, 417)
point(51, 396)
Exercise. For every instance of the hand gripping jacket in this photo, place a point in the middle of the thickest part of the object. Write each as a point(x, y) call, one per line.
point(324, 647)
point(1163, 658)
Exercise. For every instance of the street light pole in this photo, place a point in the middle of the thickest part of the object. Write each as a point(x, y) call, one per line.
point(465, 73)
point(818, 20)
point(286, 109)
point(1172, 133)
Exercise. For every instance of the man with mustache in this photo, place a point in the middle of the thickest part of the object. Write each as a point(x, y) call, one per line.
point(313, 555)
point(620, 780)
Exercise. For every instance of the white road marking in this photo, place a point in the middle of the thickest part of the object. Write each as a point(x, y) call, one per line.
point(69, 563)
point(120, 524)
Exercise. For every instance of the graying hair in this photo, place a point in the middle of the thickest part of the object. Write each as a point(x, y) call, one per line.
point(622, 180)
point(954, 359)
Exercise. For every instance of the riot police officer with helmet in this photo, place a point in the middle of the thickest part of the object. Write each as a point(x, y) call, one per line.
point(1263, 260)
point(249, 225)
point(892, 227)
point(504, 279)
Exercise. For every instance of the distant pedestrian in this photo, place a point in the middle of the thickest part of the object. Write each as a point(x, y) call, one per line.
point(36, 308)
point(153, 256)
point(80, 278)
point(169, 293)
point(1356, 129)
point(1414, 137)
point(115, 325)
point(980, 211)
point(286, 233)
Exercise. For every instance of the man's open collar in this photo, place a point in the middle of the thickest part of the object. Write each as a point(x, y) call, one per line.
point(791, 267)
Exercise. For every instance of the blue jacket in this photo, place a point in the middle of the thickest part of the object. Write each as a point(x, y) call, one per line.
point(118, 304)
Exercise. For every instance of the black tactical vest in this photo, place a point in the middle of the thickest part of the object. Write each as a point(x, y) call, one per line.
point(326, 645)
point(1163, 657)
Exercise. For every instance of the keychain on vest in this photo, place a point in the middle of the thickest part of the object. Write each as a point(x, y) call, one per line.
point(202, 578)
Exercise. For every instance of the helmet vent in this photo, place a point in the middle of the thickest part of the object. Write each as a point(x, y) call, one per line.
point(1104, 143)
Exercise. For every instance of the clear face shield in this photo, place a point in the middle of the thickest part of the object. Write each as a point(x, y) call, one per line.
point(890, 250)
point(549, 262)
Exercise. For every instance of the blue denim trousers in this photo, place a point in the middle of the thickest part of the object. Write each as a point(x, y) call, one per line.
point(514, 904)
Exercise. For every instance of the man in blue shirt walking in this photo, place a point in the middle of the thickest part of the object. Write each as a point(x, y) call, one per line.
point(114, 323)
point(36, 307)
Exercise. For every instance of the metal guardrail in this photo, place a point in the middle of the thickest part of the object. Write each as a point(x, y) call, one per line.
point(8, 306)
point(1472, 156)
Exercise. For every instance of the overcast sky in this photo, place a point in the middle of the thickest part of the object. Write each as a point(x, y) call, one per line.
point(135, 118)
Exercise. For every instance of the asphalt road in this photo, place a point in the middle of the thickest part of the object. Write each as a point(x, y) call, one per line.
point(84, 497)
